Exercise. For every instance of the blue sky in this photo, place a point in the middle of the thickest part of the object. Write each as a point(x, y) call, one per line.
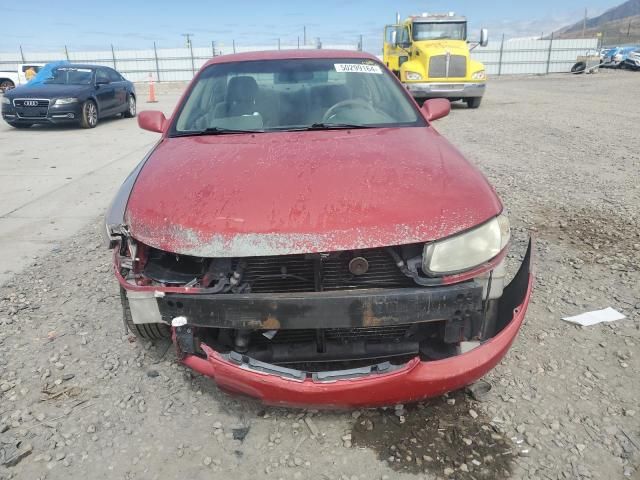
point(81, 25)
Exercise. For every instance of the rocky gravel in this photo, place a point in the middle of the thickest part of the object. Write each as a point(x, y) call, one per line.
point(81, 398)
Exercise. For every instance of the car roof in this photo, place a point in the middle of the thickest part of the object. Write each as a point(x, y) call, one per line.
point(79, 65)
point(290, 55)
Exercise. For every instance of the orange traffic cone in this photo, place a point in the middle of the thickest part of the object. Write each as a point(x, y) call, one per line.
point(152, 90)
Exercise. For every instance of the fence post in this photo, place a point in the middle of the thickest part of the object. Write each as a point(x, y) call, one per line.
point(213, 48)
point(113, 54)
point(549, 53)
point(66, 52)
point(21, 54)
point(193, 64)
point(155, 54)
point(500, 58)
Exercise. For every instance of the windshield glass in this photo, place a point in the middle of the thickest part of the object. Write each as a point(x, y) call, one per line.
point(71, 76)
point(440, 30)
point(294, 94)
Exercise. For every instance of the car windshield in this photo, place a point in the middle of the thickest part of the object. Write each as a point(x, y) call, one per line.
point(71, 76)
point(439, 31)
point(294, 94)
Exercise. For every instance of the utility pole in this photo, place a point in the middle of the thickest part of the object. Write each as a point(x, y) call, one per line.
point(629, 28)
point(304, 35)
point(188, 38)
point(584, 24)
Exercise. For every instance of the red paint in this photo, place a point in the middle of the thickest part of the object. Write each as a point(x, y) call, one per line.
point(436, 108)
point(311, 191)
point(152, 120)
point(417, 380)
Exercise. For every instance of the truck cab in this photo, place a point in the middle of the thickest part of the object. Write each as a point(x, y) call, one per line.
point(430, 54)
point(12, 78)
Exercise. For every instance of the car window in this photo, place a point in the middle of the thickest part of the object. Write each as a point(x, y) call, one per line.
point(292, 94)
point(102, 76)
point(70, 76)
point(113, 75)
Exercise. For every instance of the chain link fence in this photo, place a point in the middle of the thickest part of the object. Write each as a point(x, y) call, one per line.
point(501, 57)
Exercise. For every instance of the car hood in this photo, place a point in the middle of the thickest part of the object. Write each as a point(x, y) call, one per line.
point(47, 91)
point(303, 192)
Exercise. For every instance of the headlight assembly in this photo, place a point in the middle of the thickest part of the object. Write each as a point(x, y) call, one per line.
point(413, 76)
point(480, 75)
point(467, 250)
point(66, 101)
point(6, 101)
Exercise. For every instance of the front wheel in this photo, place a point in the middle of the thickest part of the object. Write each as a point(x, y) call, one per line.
point(6, 85)
point(148, 331)
point(89, 118)
point(473, 102)
point(130, 112)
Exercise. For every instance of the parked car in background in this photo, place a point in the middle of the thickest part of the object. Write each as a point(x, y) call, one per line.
point(71, 93)
point(616, 57)
point(305, 236)
point(10, 79)
point(633, 60)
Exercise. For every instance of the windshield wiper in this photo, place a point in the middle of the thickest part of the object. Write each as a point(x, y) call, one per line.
point(333, 126)
point(215, 131)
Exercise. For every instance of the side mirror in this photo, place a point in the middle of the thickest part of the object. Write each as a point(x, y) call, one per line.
point(484, 37)
point(394, 38)
point(152, 120)
point(436, 108)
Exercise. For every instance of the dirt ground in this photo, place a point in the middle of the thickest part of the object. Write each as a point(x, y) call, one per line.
point(80, 399)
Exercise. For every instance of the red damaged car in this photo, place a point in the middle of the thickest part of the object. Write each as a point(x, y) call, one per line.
point(306, 237)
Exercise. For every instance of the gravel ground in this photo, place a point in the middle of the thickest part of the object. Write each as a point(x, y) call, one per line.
point(80, 399)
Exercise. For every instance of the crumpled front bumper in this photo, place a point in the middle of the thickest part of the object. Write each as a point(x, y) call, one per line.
point(412, 381)
point(446, 89)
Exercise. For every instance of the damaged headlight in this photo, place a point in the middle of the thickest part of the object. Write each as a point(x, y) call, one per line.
point(467, 250)
point(412, 76)
point(480, 75)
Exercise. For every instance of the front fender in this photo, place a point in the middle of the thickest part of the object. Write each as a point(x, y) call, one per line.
point(412, 66)
point(475, 66)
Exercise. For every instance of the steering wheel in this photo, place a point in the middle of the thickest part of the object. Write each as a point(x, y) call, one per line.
point(356, 102)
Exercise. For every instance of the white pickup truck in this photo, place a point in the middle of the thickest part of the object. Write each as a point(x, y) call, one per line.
point(12, 78)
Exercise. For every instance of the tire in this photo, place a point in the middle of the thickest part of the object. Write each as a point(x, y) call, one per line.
point(21, 125)
point(6, 85)
point(130, 112)
point(579, 67)
point(89, 118)
point(147, 331)
point(473, 102)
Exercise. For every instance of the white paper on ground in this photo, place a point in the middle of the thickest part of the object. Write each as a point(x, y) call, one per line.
point(597, 316)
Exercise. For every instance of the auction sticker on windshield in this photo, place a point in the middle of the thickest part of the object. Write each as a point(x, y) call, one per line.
point(357, 68)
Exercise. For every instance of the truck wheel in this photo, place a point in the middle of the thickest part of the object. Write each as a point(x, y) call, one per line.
point(21, 125)
point(130, 112)
point(148, 331)
point(89, 118)
point(473, 102)
point(6, 85)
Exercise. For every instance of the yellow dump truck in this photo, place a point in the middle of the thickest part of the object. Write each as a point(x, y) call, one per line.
point(430, 54)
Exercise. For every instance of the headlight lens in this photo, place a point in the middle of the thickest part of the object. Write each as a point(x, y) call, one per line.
point(413, 76)
point(66, 101)
point(481, 75)
point(467, 250)
point(6, 101)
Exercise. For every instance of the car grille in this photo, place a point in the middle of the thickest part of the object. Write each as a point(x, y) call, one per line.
point(392, 333)
point(308, 273)
point(457, 67)
point(31, 107)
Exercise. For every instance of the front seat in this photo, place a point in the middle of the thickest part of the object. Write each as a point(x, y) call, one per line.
point(240, 99)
